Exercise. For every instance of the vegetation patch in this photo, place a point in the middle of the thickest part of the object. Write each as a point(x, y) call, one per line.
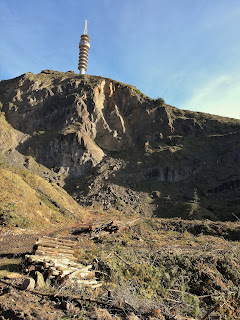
point(160, 102)
point(175, 272)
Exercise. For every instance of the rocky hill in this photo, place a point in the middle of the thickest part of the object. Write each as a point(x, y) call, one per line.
point(109, 145)
point(81, 153)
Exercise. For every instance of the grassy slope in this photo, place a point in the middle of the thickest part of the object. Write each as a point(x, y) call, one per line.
point(27, 200)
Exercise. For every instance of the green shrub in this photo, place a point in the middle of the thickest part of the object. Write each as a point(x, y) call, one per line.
point(139, 92)
point(160, 102)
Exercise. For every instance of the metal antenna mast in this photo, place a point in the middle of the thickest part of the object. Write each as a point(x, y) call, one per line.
point(84, 47)
point(85, 28)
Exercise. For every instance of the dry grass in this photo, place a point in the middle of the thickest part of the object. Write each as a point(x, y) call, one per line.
point(8, 266)
point(29, 200)
point(101, 314)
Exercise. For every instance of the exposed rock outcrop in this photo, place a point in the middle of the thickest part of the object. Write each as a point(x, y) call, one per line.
point(103, 137)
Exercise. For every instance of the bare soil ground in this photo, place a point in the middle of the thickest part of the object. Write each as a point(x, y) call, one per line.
point(20, 305)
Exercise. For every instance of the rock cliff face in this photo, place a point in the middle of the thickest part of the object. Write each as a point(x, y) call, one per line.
point(109, 143)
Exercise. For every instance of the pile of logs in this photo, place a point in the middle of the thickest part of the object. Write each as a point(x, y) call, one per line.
point(55, 260)
point(108, 227)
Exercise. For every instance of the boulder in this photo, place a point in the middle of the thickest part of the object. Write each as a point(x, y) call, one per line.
point(40, 283)
point(28, 284)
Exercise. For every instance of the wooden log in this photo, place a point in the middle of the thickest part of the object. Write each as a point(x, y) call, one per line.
point(50, 259)
point(66, 272)
point(56, 273)
point(79, 275)
point(96, 285)
point(52, 251)
point(64, 263)
point(62, 272)
point(93, 284)
point(66, 241)
point(64, 267)
point(84, 275)
point(58, 239)
point(59, 257)
point(53, 245)
point(85, 282)
point(55, 248)
point(48, 249)
point(47, 264)
point(90, 275)
point(80, 271)
point(56, 255)
point(76, 265)
point(49, 243)
point(71, 242)
point(58, 266)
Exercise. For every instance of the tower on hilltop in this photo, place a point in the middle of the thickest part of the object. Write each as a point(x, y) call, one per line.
point(84, 47)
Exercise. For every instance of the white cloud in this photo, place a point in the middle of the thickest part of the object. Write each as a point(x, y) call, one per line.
point(220, 96)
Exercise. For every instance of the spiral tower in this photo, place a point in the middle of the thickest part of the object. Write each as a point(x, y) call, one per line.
point(84, 47)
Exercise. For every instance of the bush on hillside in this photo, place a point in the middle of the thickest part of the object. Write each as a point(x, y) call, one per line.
point(160, 102)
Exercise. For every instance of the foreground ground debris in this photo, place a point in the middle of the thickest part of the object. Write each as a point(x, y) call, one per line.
point(55, 260)
point(152, 269)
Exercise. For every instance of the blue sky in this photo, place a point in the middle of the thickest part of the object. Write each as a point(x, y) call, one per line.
point(186, 51)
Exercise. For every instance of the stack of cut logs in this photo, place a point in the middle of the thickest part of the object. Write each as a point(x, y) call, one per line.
point(55, 259)
point(108, 227)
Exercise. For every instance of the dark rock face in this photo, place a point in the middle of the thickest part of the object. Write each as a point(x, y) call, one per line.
point(104, 137)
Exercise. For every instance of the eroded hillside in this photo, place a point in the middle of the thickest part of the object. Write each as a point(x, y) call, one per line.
point(81, 153)
point(108, 143)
